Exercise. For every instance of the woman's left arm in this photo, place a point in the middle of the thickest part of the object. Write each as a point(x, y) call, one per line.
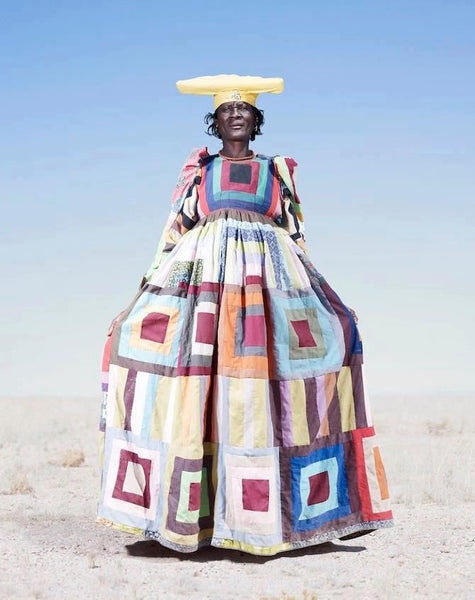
point(291, 218)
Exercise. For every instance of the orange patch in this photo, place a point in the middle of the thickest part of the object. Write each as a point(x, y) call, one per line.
point(380, 474)
point(229, 363)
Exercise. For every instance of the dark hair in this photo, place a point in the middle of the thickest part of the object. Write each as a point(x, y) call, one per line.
point(210, 120)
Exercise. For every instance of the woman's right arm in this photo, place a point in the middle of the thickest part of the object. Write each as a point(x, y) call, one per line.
point(183, 215)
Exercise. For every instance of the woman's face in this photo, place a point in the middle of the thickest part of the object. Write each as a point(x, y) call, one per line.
point(235, 121)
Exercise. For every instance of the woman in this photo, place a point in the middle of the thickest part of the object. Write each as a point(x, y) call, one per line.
point(234, 412)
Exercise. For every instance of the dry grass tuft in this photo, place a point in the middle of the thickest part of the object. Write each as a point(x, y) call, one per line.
point(441, 427)
point(305, 595)
point(72, 458)
point(19, 484)
point(92, 561)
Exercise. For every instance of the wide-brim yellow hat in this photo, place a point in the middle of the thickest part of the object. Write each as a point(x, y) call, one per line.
point(231, 88)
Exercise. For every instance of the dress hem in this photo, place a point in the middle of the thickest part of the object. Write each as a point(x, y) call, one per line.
point(227, 544)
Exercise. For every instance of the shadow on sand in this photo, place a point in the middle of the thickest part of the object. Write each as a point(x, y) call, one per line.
point(152, 549)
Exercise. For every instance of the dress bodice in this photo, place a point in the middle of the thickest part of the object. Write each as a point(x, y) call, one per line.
point(208, 183)
point(246, 184)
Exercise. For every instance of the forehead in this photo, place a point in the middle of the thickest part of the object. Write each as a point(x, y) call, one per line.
point(239, 104)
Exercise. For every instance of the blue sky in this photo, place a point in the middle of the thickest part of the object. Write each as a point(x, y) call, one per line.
point(377, 110)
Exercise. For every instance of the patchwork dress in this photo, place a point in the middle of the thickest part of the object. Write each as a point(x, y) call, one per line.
point(234, 413)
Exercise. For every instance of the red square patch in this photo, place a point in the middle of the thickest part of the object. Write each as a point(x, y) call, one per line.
point(154, 327)
point(255, 494)
point(205, 328)
point(302, 329)
point(254, 330)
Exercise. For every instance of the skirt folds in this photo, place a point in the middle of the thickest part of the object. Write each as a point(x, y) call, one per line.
point(234, 409)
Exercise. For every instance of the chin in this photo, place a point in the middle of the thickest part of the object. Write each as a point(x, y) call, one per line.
point(239, 137)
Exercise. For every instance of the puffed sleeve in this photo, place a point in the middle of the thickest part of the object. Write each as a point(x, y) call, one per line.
point(291, 217)
point(184, 214)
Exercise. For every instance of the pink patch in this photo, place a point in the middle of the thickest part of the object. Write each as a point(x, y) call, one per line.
point(195, 495)
point(205, 328)
point(255, 494)
point(254, 331)
point(302, 329)
point(154, 327)
point(227, 182)
point(319, 488)
point(253, 279)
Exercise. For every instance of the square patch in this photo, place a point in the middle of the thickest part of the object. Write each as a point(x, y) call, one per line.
point(204, 329)
point(190, 507)
point(305, 334)
point(319, 488)
point(307, 340)
point(152, 331)
point(372, 483)
point(154, 327)
point(255, 494)
point(132, 480)
point(240, 173)
point(240, 177)
point(252, 499)
point(251, 336)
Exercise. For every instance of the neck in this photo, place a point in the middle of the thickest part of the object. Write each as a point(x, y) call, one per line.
point(236, 149)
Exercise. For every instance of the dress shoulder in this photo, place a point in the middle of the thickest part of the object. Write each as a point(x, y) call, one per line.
point(188, 172)
point(287, 168)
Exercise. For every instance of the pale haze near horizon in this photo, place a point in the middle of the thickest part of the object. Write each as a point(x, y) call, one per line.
point(377, 110)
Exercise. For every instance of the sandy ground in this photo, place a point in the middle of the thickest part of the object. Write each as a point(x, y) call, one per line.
point(51, 548)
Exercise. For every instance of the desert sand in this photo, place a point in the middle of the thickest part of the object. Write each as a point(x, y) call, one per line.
point(52, 548)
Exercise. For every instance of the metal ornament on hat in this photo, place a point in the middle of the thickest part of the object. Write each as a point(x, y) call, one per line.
point(236, 95)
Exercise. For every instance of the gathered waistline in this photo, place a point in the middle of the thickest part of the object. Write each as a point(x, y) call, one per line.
point(238, 214)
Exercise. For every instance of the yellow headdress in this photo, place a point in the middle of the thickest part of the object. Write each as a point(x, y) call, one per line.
point(229, 88)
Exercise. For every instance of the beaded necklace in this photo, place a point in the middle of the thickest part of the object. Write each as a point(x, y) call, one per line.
point(250, 157)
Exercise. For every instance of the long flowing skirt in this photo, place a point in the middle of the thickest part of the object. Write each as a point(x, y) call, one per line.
point(234, 411)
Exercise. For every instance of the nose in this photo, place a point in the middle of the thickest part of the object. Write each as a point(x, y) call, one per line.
point(235, 111)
